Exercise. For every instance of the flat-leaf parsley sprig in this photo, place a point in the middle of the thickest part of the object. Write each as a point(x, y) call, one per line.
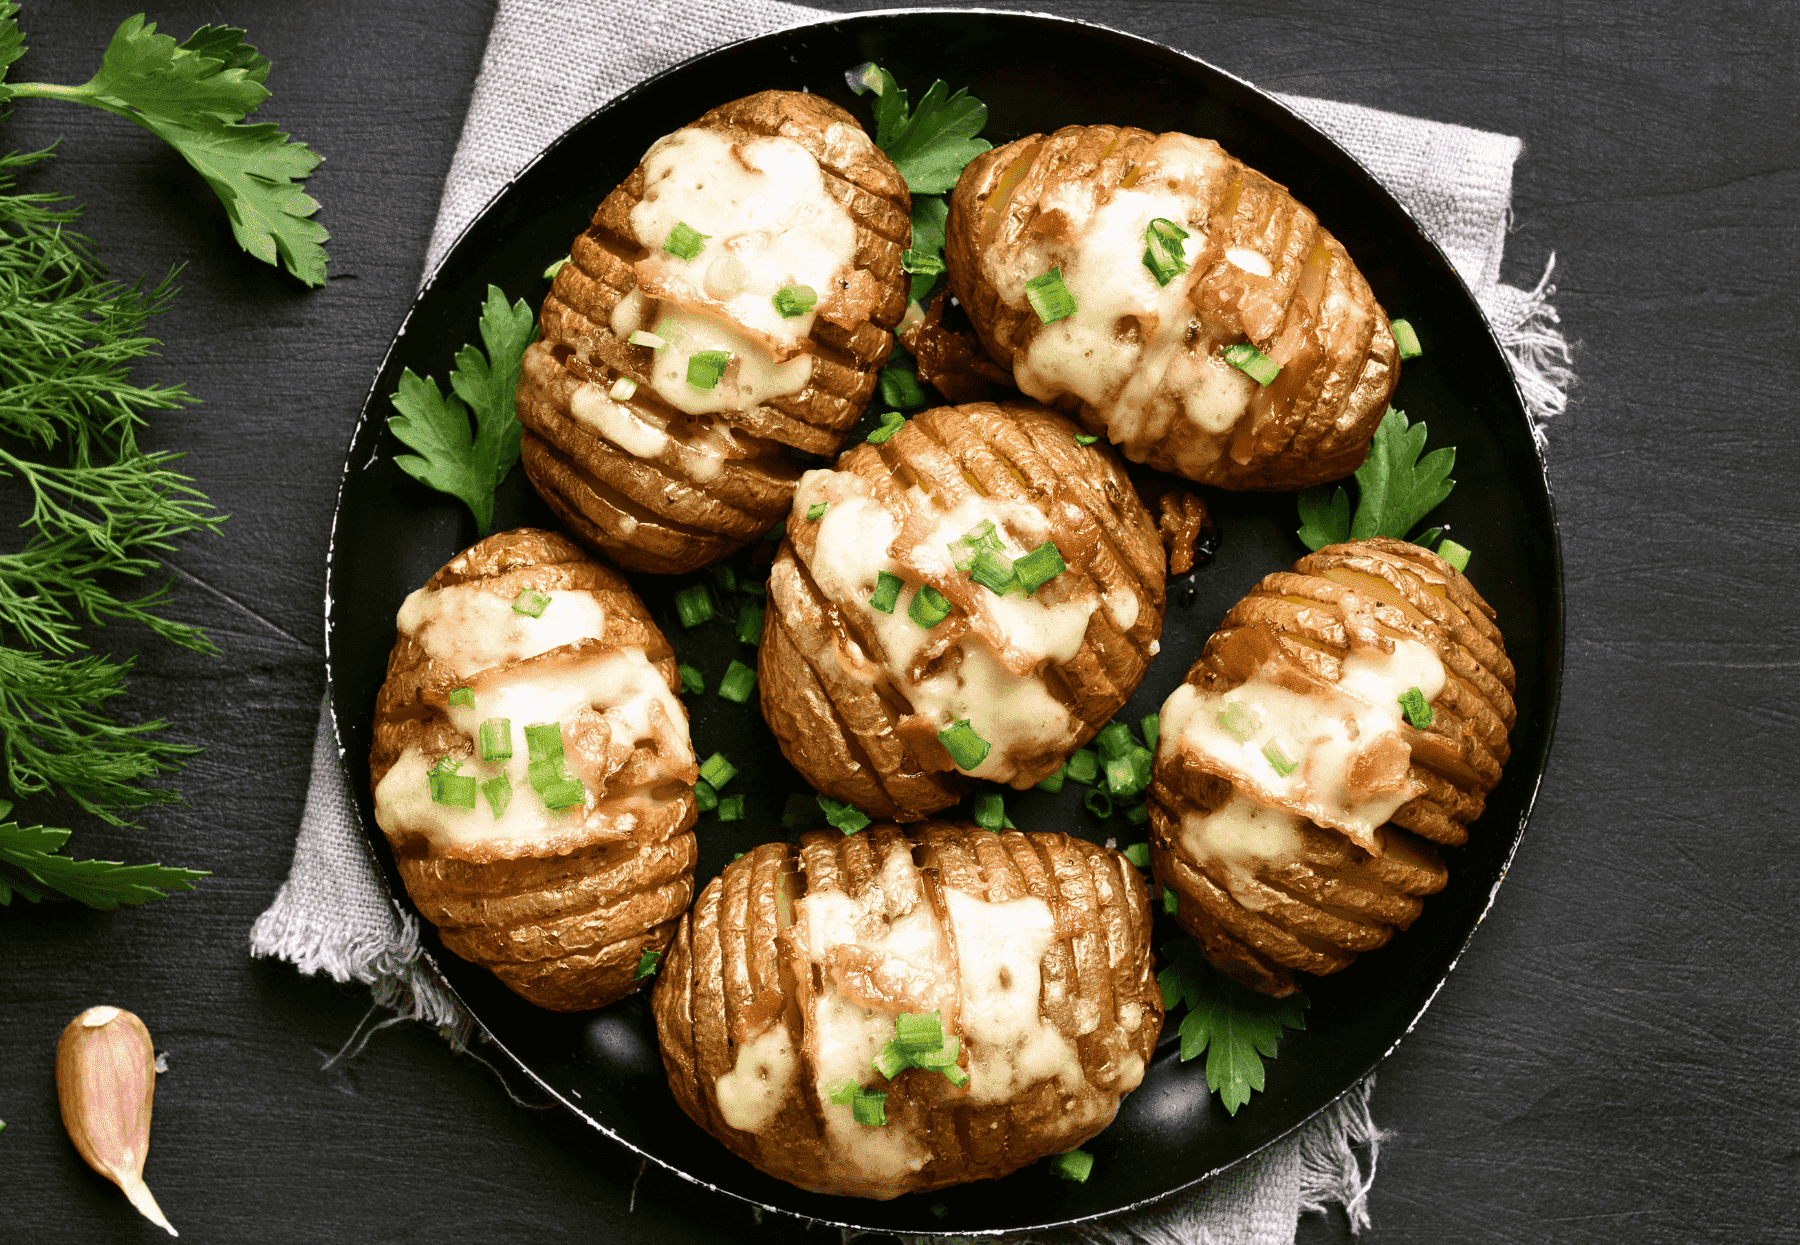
point(1234, 1026)
point(1396, 489)
point(194, 95)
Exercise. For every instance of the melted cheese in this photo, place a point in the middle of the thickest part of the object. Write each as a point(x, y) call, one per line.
point(1237, 839)
point(751, 378)
point(617, 422)
point(469, 629)
point(752, 1092)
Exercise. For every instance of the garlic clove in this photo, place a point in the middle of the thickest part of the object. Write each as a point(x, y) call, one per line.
point(105, 1079)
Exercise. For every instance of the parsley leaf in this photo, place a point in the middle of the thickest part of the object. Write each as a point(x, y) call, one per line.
point(932, 146)
point(1236, 1027)
point(30, 868)
point(925, 258)
point(195, 96)
point(1396, 488)
point(450, 459)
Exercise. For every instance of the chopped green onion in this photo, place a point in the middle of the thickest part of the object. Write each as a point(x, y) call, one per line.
point(750, 624)
point(455, 790)
point(865, 77)
point(1139, 855)
point(994, 571)
point(919, 1033)
point(685, 242)
point(530, 603)
point(1416, 708)
point(891, 422)
point(900, 388)
point(622, 389)
point(990, 811)
point(922, 263)
point(1083, 767)
point(1163, 255)
point(1407, 338)
point(1151, 726)
point(1114, 741)
point(694, 605)
point(731, 808)
point(891, 1061)
point(1143, 763)
point(795, 300)
point(707, 367)
point(887, 592)
point(544, 741)
point(967, 749)
point(717, 770)
point(564, 793)
point(1137, 814)
point(495, 739)
point(1049, 297)
point(1171, 901)
point(1240, 720)
point(842, 1091)
point(1247, 359)
point(498, 793)
point(725, 577)
point(940, 1056)
point(1039, 567)
point(817, 510)
point(965, 547)
point(1119, 775)
point(1098, 803)
point(1456, 555)
point(738, 682)
point(844, 817)
point(869, 1109)
point(706, 796)
point(463, 696)
point(641, 338)
point(446, 764)
point(928, 608)
point(691, 680)
point(553, 269)
point(1054, 783)
point(1275, 751)
point(1074, 1165)
point(647, 965)
point(1085, 438)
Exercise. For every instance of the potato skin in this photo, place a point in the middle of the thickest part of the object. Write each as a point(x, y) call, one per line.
point(1335, 899)
point(563, 926)
point(662, 514)
point(842, 729)
point(1314, 315)
point(733, 972)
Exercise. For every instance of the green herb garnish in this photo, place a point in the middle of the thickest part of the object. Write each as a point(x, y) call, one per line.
point(1235, 1026)
point(531, 603)
point(1416, 708)
point(498, 792)
point(1039, 567)
point(693, 605)
point(1049, 297)
point(900, 388)
point(1240, 721)
point(1252, 362)
point(738, 682)
point(1083, 766)
point(967, 749)
point(750, 623)
point(795, 300)
point(925, 260)
point(718, 771)
point(544, 741)
point(647, 965)
point(841, 816)
point(706, 796)
point(1085, 438)
point(691, 680)
point(817, 510)
point(932, 145)
point(1098, 803)
point(929, 607)
point(990, 812)
point(1163, 254)
point(453, 789)
point(495, 739)
point(462, 696)
point(887, 592)
point(731, 808)
point(1151, 726)
point(1138, 854)
point(891, 422)
point(1407, 338)
point(1054, 783)
point(919, 1042)
point(1277, 754)
point(1396, 489)
point(685, 242)
point(1073, 1165)
point(1171, 901)
point(994, 571)
point(1456, 555)
point(707, 367)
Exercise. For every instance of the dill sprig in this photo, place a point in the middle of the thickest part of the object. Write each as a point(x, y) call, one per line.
point(101, 511)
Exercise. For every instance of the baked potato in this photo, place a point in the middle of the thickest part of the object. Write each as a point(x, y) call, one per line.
point(889, 671)
point(532, 769)
point(1025, 957)
point(1343, 714)
point(734, 296)
point(1142, 349)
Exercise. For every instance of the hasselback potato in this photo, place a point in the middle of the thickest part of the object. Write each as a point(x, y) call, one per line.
point(1344, 713)
point(800, 967)
point(734, 296)
point(559, 861)
point(892, 663)
point(1175, 259)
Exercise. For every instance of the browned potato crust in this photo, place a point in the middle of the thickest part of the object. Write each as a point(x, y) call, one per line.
point(1330, 897)
point(828, 691)
point(748, 972)
point(1020, 209)
point(561, 915)
point(689, 489)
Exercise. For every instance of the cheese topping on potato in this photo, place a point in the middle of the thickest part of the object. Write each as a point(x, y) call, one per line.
point(751, 1094)
point(1237, 837)
point(469, 627)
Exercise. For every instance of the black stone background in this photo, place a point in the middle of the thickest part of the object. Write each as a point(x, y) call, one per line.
point(1614, 1059)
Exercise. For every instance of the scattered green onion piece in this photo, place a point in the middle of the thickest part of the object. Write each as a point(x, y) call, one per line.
point(684, 241)
point(1240, 721)
point(725, 577)
point(731, 808)
point(1119, 775)
point(952, 1073)
point(718, 771)
point(891, 422)
point(1407, 338)
point(1083, 767)
point(1039, 567)
point(1137, 814)
point(967, 749)
point(641, 338)
point(737, 855)
point(707, 367)
point(1247, 359)
point(865, 77)
point(1275, 751)
point(1114, 741)
point(647, 965)
point(887, 592)
point(842, 1091)
point(553, 269)
point(691, 680)
point(622, 389)
point(564, 793)
point(900, 388)
point(1098, 803)
point(1054, 783)
point(446, 764)
point(455, 790)
point(530, 603)
point(1074, 1165)
point(965, 548)
point(817, 510)
point(1085, 438)
point(890, 1061)
point(1427, 537)
point(929, 607)
point(869, 1109)
point(1416, 708)
point(694, 605)
point(544, 741)
point(738, 683)
point(841, 816)
point(1049, 297)
point(800, 813)
point(706, 796)
point(498, 792)
point(1143, 764)
point(542, 774)
point(922, 263)
point(994, 571)
point(463, 696)
point(495, 739)
point(917, 1033)
point(990, 811)
point(1151, 726)
point(750, 624)
point(1171, 901)
point(1163, 254)
point(1139, 855)
point(1456, 555)
point(795, 300)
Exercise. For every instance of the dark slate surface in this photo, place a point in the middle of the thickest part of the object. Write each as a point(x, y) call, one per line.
point(1615, 1058)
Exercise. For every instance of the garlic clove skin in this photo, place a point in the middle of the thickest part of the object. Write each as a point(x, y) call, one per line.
point(105, 1079)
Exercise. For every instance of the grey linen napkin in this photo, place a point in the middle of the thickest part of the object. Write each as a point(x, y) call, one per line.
point(332, 915)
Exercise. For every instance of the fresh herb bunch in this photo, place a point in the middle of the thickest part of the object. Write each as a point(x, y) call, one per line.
point(194, 96)
point(102, 511)
point(1396, 489)
point(1234, 1026)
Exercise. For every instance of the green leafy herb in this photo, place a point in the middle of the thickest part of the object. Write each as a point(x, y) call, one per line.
point(965, 548)
point(1235, 1026)
point(453, 789)
point(31, 869)
point(498, 792)
point(647, 965)
point(1049, 297)
point(462, 696)
point(925, 259)
point(1085, 438)
point(1407, 338)
point(556, 267)
point(931, 145)
point(1073, 1165)
point(1039, 567)
point(900, 388)
point(795, 300)
point(194, 96)
point(738, 682)
point(685, 242)
point(919, 1042)
point(1151, 726)
point(1083, 766)
point(817, 510)
point(891, 422)
point(1054, 783)
point(495, 739)
point(564, 793)
point(544, 741)
point(1252, 362)
point(1396, 488)
point(450, 459)
point(990, 812)
point(841, 816)
point(994, 571)
point(706, 796)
